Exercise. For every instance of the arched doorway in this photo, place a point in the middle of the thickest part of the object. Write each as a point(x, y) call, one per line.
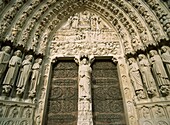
point(86, 33)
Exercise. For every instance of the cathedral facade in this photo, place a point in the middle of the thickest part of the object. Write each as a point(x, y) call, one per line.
point(84, 62)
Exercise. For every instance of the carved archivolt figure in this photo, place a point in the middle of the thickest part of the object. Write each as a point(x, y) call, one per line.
point(146, 74)
point(159, 71)
point(136, 78)
point(25, 73)
point(166, 57)
point(4, 59)
point(14, 65)
point(35, 77)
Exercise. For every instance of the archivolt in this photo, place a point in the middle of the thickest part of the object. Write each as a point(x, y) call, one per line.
point(31, 23)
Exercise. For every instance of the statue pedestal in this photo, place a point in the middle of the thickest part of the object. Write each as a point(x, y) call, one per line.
point(85, 112)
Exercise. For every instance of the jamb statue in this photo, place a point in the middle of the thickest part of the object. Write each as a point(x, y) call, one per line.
point(35, 77)
point(147, 76)
point(136, 78)
point(166, 57)
point(159, 72)
point(11, 75)
point(4, 59)
point(25, 73)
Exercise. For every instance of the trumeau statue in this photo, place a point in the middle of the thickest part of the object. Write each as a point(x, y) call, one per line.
point(14, 65)
point(166, 57)
point(136, 78)
point(35, 77)
point(147, 77)
point(159, 72)
point(84, 94)
point(85, 77)
point(4, 59)
point(25, 73)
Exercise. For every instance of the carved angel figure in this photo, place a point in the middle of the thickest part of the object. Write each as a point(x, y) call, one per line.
point(4, 59)
point(14, 65)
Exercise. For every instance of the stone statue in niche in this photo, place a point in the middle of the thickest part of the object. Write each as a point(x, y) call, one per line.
point(1, 111)
point(11, 75)
point(10, 122)
point(136, 44)
point(24, 73)
point(4, 59)
point(159, 72)
point(24, 122)
point(38, 120)
point(159, 112)
point(84, 76)
point(166, 57)
point(147, 123)
point(94, 22)
point(35, 77)
point(43, 43)
point(74, 21)
point(84, 20)
point(145, 112)
point(14, 113)
point(147, 76)
point(27, 113)
point(162, 123)
point(136, 78)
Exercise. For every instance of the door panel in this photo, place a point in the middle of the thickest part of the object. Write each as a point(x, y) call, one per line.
point(106, 95)
point(62, 102)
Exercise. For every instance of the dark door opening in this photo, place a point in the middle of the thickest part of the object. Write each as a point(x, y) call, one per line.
point(106, 95)
point(63, 98)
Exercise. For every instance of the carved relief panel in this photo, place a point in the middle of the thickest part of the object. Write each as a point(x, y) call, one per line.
point(85, 32)
point(16, 114)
